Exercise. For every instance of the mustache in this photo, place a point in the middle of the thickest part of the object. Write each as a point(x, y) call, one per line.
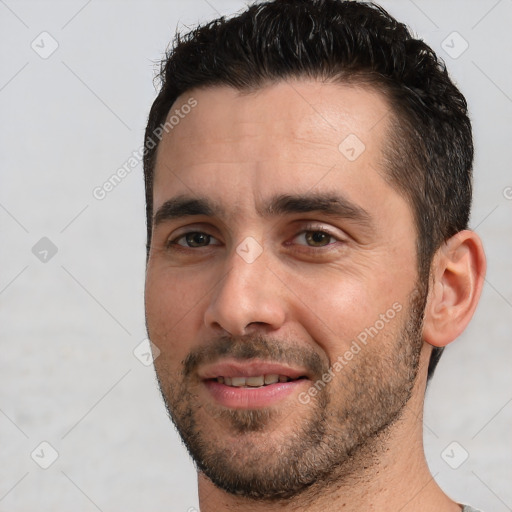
point(255, 346)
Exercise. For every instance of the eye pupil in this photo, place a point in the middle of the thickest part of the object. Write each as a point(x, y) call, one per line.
point(197, 239)
point(317, 238)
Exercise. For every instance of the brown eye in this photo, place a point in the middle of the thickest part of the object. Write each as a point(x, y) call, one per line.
point(195, 239)
point(317, 238)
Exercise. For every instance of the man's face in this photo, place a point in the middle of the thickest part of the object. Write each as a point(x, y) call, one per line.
point(281, 283)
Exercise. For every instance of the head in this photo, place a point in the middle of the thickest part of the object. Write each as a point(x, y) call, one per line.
point(273, 106)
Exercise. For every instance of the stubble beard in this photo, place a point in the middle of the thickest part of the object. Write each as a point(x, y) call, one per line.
point(329, 440)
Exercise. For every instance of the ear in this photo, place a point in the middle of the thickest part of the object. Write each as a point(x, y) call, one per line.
point(456, 281)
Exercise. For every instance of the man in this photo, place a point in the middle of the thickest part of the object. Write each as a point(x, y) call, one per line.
point(308, 186)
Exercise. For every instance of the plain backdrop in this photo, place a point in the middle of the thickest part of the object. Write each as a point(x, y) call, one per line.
point(72, 266)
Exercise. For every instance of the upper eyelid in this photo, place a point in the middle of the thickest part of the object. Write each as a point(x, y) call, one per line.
point(299, 227)
point(306, 228)
point(337, 239)
point(175, 238)
point(324, 231)
point(199, 227)
point(334, 232)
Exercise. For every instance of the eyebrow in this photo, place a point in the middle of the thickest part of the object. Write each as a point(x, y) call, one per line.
point(185, 206)
point(335, 205)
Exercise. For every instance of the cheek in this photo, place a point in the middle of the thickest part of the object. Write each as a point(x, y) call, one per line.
point(335, 310)
point(173, 309)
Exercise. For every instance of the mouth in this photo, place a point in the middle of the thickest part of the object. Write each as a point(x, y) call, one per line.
point(258, 381)
point(251, 384)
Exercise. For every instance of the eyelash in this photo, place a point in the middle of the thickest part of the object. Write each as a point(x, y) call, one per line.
point(171, 244)
point(317, 229)
point(174, 241)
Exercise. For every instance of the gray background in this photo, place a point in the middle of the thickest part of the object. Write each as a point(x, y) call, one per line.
point(71, 322)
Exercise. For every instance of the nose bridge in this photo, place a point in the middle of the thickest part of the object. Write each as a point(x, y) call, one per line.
point(249, 293)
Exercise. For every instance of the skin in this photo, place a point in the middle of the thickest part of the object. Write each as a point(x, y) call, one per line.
point(239, 150)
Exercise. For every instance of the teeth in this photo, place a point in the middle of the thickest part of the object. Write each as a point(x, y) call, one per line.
point(257, 381)
point(271, 379)
point(238, 382)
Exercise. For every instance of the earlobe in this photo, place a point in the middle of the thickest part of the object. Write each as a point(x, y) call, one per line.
point(457, 277)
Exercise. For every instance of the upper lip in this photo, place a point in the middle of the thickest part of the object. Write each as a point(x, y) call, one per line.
point(232, 368)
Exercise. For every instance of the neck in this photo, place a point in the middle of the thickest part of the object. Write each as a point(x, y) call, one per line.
point(388, 476)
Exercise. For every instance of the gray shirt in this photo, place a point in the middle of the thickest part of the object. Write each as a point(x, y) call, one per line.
point(467, 508)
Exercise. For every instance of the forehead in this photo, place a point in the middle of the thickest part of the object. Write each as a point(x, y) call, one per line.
point(297, 111)
point(285, 137)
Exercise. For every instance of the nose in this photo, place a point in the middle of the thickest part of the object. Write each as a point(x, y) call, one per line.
point(249, 296)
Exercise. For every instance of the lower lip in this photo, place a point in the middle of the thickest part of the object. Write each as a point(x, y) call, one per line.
point(251, 398)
